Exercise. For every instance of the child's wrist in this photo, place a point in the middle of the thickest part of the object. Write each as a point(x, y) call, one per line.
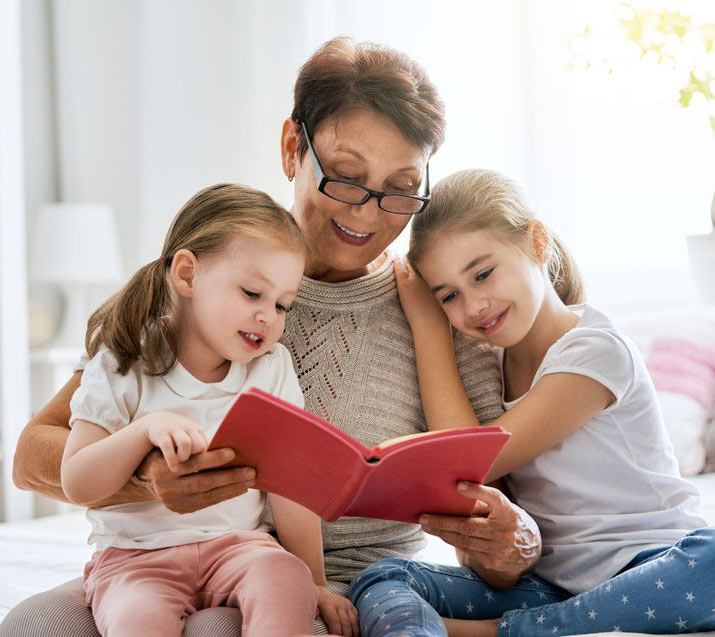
point(141, 426)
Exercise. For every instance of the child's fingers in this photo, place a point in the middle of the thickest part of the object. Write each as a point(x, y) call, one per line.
point(402, 269)
point(198, 441)
point(346, 623)
point(354, 620)
point(331, 619)
point(183, 444)
point(166, 446)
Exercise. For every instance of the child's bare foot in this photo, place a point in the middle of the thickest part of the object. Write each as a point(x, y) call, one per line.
point(471, 628)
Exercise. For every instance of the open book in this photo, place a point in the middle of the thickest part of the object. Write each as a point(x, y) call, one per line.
point(310, 461)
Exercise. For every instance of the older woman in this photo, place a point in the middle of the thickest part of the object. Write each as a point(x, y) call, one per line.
point(365, 122)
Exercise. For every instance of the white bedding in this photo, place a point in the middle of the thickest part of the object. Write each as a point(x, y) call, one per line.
point(38, 554)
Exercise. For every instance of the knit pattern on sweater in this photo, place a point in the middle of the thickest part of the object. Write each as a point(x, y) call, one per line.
point(353, 353)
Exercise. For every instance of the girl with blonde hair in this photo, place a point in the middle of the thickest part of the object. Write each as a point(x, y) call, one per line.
point(170, 354)
point(589, 458)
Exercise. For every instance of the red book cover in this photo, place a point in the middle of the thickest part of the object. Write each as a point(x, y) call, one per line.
point(310, 461)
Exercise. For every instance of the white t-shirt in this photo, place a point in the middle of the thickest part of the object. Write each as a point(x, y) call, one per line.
point(112, 401)
point(612, 488)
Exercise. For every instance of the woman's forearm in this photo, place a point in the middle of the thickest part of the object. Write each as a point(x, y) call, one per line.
point(38, 457)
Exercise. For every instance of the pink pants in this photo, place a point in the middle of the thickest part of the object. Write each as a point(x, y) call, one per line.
point(150, 593)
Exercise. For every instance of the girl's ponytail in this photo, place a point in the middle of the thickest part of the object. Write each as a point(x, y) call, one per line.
point(564, 273)
point(132, 323)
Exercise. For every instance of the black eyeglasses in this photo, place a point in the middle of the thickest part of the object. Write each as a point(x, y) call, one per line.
point(350, 193)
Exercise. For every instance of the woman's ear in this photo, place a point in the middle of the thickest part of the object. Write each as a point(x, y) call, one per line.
point(182, 272)
point(289, 147)
point(540, 242)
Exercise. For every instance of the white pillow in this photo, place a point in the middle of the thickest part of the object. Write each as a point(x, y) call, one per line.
point(684, 418)
point(678, 347)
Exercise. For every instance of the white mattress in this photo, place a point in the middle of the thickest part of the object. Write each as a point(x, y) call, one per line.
point(38, 554)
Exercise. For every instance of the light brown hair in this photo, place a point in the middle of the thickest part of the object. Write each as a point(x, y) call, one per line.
point(343, 74)
point(472, 200)
point(137, 323)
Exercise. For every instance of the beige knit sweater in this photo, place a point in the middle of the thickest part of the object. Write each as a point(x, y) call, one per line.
point(352, 349)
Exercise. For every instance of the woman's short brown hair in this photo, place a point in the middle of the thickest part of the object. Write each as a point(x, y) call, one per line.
point(343, 74)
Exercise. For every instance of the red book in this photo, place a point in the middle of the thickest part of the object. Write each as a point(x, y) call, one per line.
point(310, 461)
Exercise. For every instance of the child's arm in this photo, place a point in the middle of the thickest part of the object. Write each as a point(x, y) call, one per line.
point(299, 532)
point(96, 464)
point(556, 406)
point(445, 403)
point(553, 409)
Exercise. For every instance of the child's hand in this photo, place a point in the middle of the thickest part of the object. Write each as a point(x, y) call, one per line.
point(418, 303)
point(338, 613)
point(177, 438)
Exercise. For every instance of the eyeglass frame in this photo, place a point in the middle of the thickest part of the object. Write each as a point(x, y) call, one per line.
point(322, 180)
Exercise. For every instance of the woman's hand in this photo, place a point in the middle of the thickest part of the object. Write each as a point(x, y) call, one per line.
point(177, 438)
point(418, 303)
point(338, 613)
point(197, 483)
point(499, 541)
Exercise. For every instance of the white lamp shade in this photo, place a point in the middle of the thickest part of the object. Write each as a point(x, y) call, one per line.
point(75, 243)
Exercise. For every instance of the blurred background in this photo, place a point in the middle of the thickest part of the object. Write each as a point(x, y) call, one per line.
point(114, 112)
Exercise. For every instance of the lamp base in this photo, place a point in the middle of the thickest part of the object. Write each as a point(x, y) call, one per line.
point(74, 315)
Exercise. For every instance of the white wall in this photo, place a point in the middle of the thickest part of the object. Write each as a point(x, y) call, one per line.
point(158, 99)
point(14, 368)
point(620, 171)
point(176, 95)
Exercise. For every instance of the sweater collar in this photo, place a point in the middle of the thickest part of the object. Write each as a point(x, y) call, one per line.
point(342, 295)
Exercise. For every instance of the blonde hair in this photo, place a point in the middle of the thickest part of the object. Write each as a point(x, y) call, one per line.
point(136, 323)
point(472, 200)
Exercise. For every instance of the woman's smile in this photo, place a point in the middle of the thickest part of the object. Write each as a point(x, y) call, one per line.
point(351, 236)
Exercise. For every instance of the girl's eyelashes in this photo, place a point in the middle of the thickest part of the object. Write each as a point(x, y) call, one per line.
point(251, 294)
point(448, 298)
point(478, 278)
point(257, 295)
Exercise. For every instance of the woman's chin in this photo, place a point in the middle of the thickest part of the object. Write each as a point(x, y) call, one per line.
point(350, 264)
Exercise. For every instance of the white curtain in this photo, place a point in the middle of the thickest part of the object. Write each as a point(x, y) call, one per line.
point(14, 373)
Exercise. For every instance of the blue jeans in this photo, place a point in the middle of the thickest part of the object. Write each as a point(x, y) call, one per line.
point(666, 590)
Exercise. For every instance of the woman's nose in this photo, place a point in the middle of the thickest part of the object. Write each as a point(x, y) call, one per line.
point(367, 211)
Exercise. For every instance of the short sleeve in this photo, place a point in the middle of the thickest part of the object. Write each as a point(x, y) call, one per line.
point(274, 373)
point(81, 363)
point(105, 397)
point(596, 353)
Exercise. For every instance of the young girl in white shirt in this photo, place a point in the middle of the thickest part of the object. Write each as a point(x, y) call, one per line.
point(169, 355)
point(588, 458)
